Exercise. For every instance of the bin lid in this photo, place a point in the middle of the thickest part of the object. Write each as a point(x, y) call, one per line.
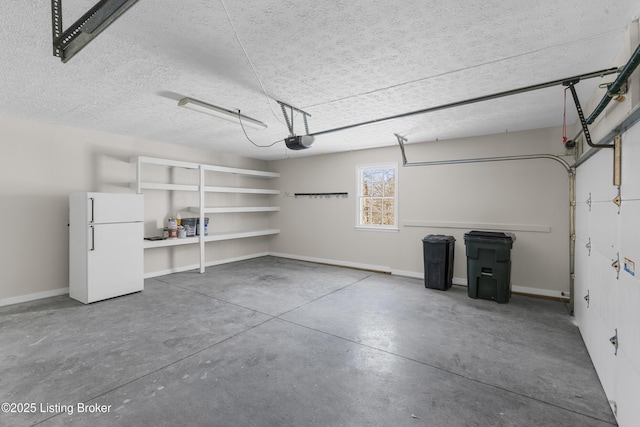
point(435, 238)
point(496, 235)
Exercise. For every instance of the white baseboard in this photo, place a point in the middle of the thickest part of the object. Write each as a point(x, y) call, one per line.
point(371, 267)
point(416, 275)
point(420, 275)
point(33, 297)
point(378, 268)
point(538, 292)
point(208, 264)
point(65, 291)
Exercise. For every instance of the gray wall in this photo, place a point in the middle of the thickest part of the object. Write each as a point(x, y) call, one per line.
point(42, 163)
point(529, 198)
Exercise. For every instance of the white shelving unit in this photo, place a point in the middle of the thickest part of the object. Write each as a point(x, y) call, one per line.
point(140, 185)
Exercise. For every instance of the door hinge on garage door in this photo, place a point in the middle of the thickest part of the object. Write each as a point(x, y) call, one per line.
point(614, 340)
point(587, 297)
point(616, 266)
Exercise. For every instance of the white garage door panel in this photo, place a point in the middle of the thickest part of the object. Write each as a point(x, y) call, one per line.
point(603, 290)
point(630, 230)
point(581, 307)
point(614, 297)
point(629, 318)
point(604, 223)
point(603, 355)
point(582, 220)
point(627, 395)
point(596, 177)
point(630, 187)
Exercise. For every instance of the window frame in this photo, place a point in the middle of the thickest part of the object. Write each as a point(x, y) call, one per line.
point(359, 196)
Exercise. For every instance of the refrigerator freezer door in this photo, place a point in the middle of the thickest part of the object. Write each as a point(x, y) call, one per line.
point(104, 208)
point(115, 260)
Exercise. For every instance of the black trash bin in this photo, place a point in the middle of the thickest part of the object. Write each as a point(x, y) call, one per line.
point(438, 253)
point(489, 264)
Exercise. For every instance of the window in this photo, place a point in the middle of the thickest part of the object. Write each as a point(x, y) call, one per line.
point(377, 191)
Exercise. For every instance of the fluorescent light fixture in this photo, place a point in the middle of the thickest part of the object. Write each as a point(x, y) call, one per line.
point(223, 113)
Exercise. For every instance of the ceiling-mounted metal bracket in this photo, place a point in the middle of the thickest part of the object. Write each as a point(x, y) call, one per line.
point(401, 141)
point(67, 43)
point(284, 106)
point(617, 160)
point(617, 95)
point(588, 202)
point(583, 122)
point(588, 246)
point(405, 163)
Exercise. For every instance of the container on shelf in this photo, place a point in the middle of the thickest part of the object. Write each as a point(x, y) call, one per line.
point(206, 226)
point(173, 228)
point(190, 225)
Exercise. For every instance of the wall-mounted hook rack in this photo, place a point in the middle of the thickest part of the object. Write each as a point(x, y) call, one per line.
point(326, 195)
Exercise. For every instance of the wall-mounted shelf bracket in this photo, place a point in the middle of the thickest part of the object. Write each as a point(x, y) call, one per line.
point(69, 42)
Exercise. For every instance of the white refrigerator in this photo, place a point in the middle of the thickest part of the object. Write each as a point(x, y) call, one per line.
point(106, 255)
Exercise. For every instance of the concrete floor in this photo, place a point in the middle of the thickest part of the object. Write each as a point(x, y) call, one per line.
point(275, 342)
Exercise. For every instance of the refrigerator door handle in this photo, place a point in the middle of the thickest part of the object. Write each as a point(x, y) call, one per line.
point(92, 206)
point(93, 238)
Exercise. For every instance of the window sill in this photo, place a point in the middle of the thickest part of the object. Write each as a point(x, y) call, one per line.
point(382, 229)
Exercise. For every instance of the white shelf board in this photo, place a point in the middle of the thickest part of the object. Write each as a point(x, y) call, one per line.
point(238, 171)
point(212, 237)
point(210, 189)
point(216, 237)
point(235, 209)
point(212, 168)
point(169, 242)
point(168, 187)
point(163, 162)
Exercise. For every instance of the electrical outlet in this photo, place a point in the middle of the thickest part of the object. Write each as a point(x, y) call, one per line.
point(630, 266)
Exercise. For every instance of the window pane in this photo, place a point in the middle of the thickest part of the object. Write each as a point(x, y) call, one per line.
point(376, 218)
point(388, 218)
point(377, 189)
point(389, 189)
point(377, 196)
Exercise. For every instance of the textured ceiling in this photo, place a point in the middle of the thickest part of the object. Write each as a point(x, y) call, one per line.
point(343, 62)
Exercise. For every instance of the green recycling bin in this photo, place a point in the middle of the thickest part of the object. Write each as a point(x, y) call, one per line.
point(489, 265)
